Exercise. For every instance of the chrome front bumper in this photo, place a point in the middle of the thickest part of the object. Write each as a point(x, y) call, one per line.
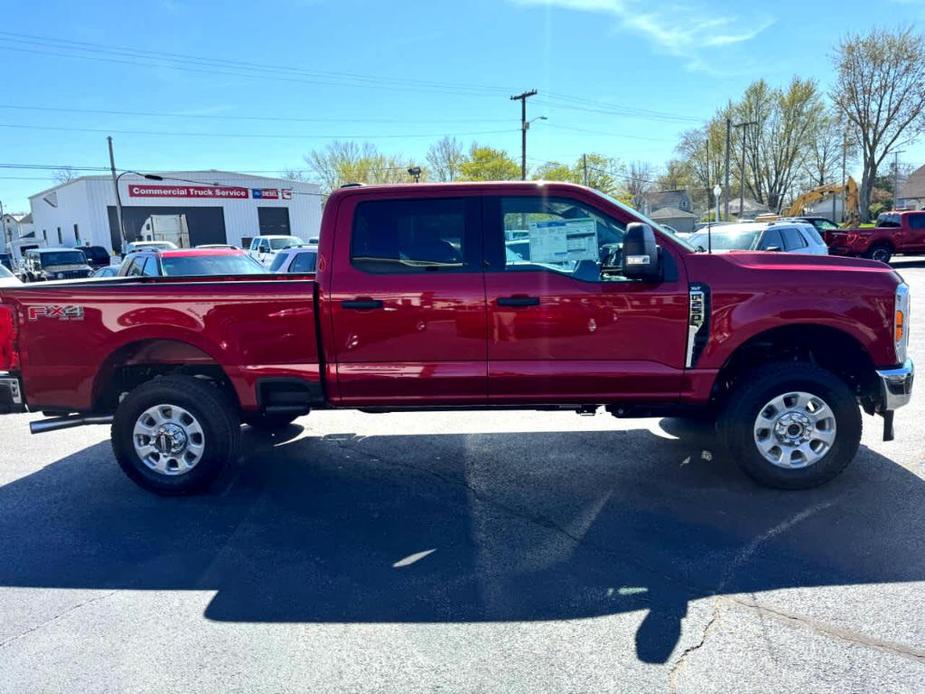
point(896, 386)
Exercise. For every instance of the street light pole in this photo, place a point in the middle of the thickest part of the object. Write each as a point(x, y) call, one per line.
point(524, 126)
point(150, 177)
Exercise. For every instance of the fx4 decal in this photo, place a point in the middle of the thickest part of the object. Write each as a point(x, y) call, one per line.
point(56, 312)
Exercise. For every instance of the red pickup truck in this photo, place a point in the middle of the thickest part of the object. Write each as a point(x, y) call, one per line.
point(494, 295)
point(896, 233)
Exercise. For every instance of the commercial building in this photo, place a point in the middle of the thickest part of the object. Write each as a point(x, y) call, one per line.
point(196, 207)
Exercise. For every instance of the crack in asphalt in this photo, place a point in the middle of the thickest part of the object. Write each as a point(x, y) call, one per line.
point(822, 628)
point(52, 620)
point(681, 660)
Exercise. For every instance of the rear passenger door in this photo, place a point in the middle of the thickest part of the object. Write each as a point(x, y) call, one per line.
point(407, 301)
point(915, 236)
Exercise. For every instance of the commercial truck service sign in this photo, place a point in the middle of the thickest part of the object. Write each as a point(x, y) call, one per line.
point(209, 192)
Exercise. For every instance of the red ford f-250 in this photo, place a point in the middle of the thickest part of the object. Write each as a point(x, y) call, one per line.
point(529, 295)
point(896, 233)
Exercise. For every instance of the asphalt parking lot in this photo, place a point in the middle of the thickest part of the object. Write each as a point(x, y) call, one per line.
point(515, 552)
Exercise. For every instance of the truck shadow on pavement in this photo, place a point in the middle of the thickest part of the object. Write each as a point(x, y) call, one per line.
point(465, 528)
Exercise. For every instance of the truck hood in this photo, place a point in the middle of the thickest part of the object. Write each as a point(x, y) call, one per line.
point(782, 262)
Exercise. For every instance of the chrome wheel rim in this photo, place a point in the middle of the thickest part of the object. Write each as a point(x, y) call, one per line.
point(168, 440)
point(795, 430)
point(881, 255)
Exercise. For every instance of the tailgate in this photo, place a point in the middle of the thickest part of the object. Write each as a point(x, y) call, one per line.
point(72, 337)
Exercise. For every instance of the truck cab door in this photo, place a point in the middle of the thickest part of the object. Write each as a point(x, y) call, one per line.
point(565, 326)
point(407, 301)
point(915, 232)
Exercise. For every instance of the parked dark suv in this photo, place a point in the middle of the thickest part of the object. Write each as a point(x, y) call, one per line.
point(40, 264)
point(97, 256)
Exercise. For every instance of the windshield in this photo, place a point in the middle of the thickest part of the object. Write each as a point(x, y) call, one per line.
point(725, 241)
point(63, 258)
point(279, 244)
point(195, 265)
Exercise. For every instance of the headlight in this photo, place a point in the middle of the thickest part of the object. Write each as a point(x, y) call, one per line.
point(901, 322)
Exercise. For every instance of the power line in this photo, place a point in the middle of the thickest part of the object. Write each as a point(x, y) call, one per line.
point(281, 119)
point(196, 63)
point(283, 136)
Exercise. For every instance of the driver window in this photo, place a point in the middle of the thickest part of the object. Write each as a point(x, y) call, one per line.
point(562, 236)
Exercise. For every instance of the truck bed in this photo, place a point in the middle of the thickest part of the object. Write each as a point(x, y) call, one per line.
point(252, 329)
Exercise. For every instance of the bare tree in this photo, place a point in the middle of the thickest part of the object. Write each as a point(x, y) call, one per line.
point(638, 182)
point(343, 162)
point(64, 175)
point(880, 90)
point(786, 120)
point(703, 152)
point(828, 146)
point(445, 158)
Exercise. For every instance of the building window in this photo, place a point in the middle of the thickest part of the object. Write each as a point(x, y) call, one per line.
point(76, 234)
point(44, 234)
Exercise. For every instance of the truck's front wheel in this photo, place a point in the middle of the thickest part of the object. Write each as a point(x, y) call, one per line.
point(175, 435)
point(792, 425)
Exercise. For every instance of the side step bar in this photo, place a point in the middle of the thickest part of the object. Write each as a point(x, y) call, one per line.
point(68, 422)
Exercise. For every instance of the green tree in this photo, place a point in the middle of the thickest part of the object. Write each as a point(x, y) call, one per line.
point(488, 164)
point(556, 171)
point(880, 89)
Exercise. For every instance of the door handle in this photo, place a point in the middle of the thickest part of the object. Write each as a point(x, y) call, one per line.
point(518, 300)
point(362, 304)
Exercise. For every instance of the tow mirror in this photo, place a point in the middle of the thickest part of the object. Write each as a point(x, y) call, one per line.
point(640, 253)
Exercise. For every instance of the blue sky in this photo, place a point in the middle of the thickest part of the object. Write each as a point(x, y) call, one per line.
point(621, 77)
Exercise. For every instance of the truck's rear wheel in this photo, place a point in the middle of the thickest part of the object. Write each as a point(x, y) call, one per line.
point(792, 425)
point(175, 435)
point(881, 252)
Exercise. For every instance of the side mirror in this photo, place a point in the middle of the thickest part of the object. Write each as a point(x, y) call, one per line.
point(640, 253)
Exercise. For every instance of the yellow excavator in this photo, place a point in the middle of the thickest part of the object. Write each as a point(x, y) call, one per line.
point(852, 215)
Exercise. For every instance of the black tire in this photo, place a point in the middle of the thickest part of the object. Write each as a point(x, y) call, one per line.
point(270, 422)
point(760, 387)
point(882, 252)
point(216, 415)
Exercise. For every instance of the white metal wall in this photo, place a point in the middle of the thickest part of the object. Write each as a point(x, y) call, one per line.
point(84, 201)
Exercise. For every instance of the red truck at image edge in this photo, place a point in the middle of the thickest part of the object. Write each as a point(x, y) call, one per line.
point(896, 233)
point(493, 295)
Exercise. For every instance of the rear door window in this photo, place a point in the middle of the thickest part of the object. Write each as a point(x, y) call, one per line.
point(793, 240)
point(917, 221)
point(771, 239)
point(409, 236)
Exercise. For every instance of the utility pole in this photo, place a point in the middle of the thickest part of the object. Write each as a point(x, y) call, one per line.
point(584, 167)
point(524, 126)
point(115, 185)
point(742, 168)
point(726, 181)
point(6, 241)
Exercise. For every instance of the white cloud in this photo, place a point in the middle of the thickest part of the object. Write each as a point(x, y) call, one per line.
point(676, 28)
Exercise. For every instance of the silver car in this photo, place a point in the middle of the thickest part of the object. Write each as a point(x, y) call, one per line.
point(782, 237)
point(299, 259)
